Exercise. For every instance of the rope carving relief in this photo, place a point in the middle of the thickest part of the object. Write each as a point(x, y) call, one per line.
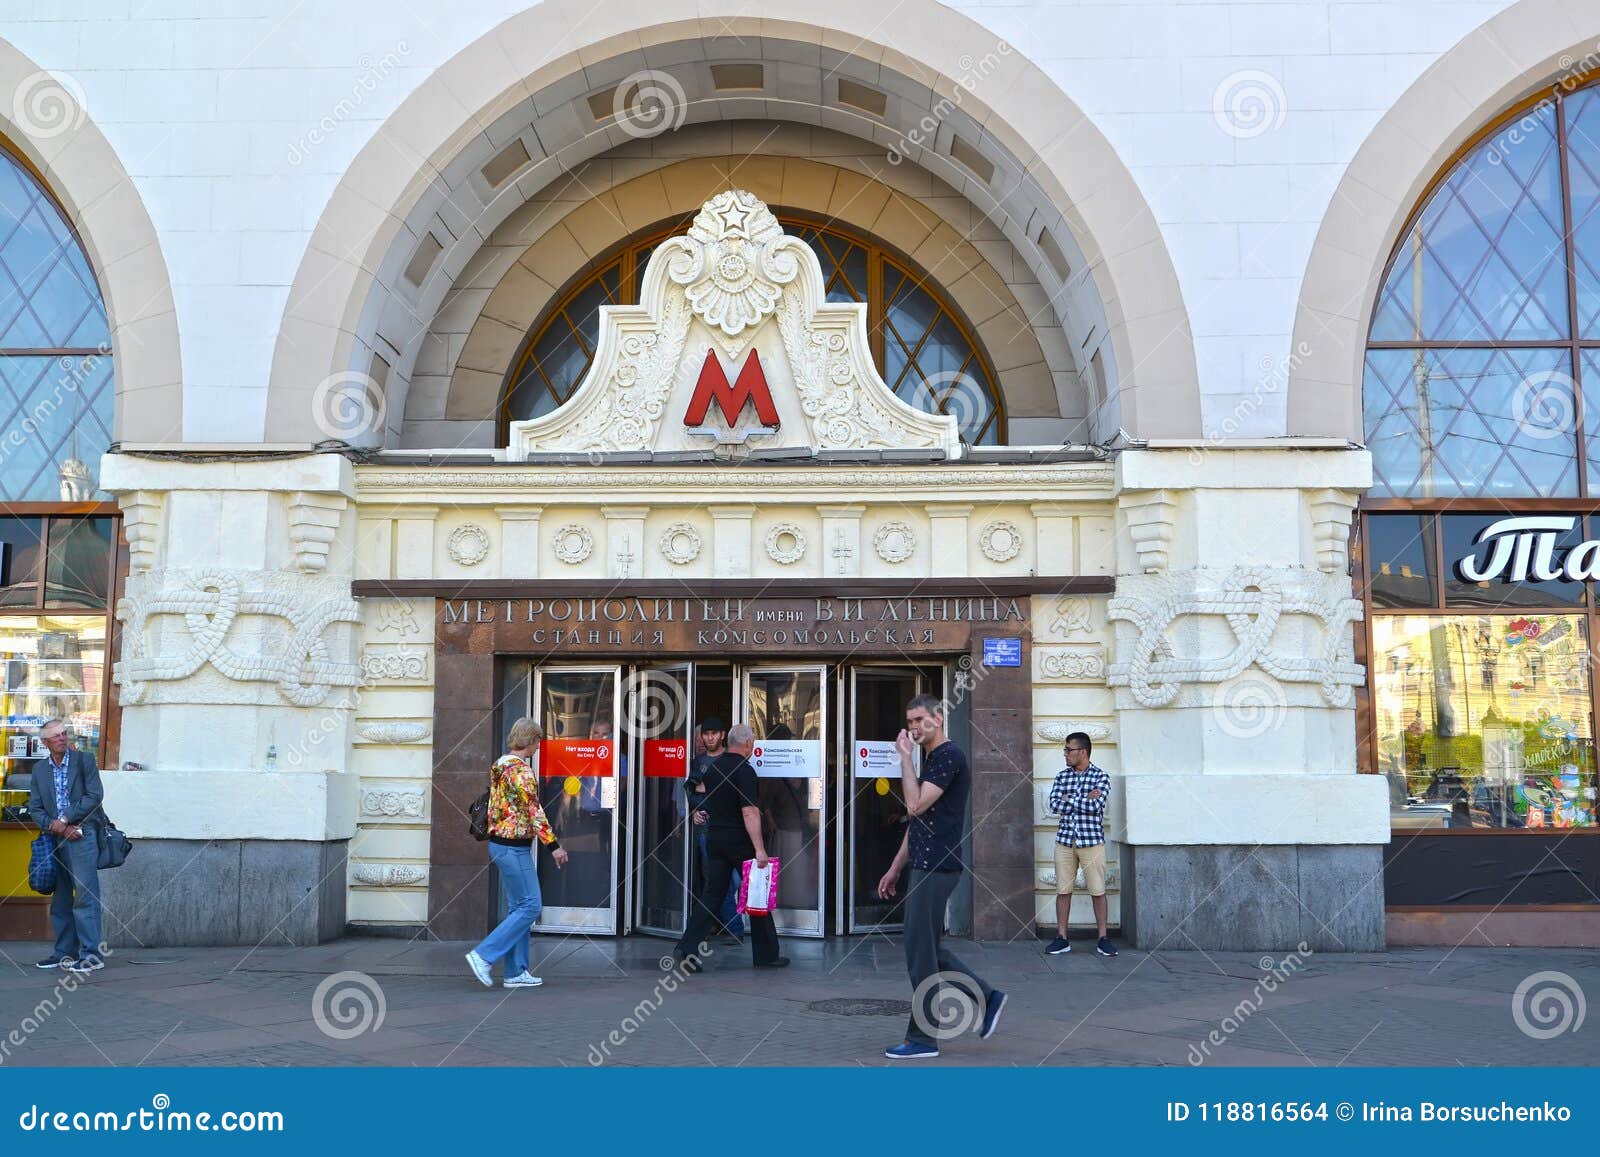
point(1253, 602)
point(210, 602)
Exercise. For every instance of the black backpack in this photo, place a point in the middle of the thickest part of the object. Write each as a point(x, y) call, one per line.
point(478, 818)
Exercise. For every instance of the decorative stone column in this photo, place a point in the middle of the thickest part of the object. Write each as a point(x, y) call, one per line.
point(1244, 823)
point(238, 638)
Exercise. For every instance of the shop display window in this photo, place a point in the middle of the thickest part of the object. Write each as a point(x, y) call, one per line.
point(1485, 721)
point(52, 666)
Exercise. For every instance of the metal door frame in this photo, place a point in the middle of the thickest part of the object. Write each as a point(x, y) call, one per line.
point(601, 920)
point(742, 673)
point(636, 866)
point(847, 908)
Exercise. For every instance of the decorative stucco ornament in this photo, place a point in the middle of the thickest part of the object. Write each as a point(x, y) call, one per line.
point(895, 542)
point(468, 544)
point(680, 544)
point(734, 262)
point(573, 543)
point(786, 543)
point(1253, 602)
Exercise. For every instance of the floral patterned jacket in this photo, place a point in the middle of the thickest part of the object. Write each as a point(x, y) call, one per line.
point(514, 811)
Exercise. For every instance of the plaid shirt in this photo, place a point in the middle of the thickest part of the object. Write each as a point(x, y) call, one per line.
point(1082, 819)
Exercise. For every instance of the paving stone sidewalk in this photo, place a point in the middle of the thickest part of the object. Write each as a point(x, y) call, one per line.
point(609, 1002)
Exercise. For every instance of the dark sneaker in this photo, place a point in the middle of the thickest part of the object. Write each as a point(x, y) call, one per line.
point(780, 962)
point(87, 964)
point(55, 962)
point(991, 1015)
point(911, 1051)
point(690, 964)
point(1058, 946)
point(1105, 947)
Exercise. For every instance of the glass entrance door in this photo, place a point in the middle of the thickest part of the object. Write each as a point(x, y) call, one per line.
point(874, 807)
point(580, 774)
point(787, 708)
point(661, 744)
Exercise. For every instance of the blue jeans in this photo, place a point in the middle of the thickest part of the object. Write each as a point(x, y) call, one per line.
point(729, 915)
point(519, 888)
point(75, 907)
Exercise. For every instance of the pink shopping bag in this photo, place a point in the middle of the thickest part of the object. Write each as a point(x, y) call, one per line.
point(758, 888)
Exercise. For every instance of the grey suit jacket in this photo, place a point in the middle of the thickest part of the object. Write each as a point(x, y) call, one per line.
point(84, 790)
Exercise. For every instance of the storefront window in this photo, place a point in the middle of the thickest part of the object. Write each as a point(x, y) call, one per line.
point(19, 561)
point(1485, 721)
point(54, 666)
point(1399, 552)
point(1469, 551)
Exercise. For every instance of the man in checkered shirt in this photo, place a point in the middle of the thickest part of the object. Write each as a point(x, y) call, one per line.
point(1078, 796)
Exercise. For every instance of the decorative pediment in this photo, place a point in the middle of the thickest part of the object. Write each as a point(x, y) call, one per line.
point(733, 341)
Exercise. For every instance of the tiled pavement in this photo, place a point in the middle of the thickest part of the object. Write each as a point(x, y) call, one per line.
point(220, 1006)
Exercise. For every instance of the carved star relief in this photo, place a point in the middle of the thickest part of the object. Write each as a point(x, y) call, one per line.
point(734, 218)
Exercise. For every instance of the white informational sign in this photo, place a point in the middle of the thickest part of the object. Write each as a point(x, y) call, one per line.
point(787, 758)
point(814, 794)
point(608, 792)
point(875, 757)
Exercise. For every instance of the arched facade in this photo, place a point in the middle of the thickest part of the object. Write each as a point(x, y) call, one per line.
point(469, 353)
point(1073, 213)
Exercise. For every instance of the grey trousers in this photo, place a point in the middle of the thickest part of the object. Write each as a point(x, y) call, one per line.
point(930, 964)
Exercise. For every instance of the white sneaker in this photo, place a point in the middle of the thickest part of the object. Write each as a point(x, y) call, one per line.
point(480, 969)
point(525, 980)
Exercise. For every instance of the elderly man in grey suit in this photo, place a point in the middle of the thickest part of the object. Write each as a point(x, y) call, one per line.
point(64, 800)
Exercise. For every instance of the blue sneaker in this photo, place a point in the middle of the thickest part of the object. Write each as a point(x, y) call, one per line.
point(911, 1051)
point(991, 1015)
point(1058, 946)
point(1105, 947)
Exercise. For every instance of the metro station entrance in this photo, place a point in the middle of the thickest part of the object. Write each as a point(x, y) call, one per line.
point(618, 746)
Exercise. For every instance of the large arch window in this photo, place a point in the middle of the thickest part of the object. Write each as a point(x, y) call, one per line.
point(1483, 360)
point(59, 537)
point(56, 394)
point(924, 349)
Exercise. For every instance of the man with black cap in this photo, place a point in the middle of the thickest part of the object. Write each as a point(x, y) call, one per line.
point(712, 738)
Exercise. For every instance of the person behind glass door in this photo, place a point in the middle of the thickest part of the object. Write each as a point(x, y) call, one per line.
point(64, 795)
point(733, 835)
point(937, 803)
point(694, 789)
point(515, 819)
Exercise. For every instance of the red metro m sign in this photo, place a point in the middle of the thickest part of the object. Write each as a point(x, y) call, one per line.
point(749, 388)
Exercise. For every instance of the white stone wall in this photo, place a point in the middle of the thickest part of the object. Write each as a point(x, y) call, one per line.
point(237, 118)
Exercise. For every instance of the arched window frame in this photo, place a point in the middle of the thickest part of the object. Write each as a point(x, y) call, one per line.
point(629, 256)
point(1587, 427)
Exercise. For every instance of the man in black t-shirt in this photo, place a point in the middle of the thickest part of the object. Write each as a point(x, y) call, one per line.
point(937, 803)
point(733, 835)
point(729, 924)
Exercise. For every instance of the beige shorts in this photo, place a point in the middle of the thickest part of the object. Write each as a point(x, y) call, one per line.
point(1093, 862)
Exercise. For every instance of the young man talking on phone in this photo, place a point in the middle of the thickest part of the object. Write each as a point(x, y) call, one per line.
point(937, 803)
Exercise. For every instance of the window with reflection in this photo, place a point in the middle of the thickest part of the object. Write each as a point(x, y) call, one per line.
point(1482, 351)
point(1485, 721)
point(924, 349)
point(56, 392)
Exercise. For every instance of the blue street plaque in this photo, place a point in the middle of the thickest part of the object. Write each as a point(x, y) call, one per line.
point(1002, 652)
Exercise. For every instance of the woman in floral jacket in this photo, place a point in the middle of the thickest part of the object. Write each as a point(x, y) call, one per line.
point(515, 818)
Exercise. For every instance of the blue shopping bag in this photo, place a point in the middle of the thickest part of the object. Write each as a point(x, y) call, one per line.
point(42, 864)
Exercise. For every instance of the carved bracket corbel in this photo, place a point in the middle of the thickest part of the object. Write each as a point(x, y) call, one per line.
point(313, 522)
point(1330, 525)
point(1151, 515)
